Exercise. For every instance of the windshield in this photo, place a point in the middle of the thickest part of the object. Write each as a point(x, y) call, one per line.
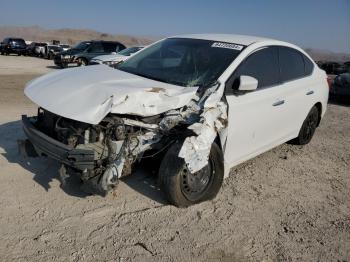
point(18, 40)
point(129, 51)
point(181, 61)
point(82, 46)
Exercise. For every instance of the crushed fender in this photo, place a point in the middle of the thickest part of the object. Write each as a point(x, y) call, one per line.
point(196, 149)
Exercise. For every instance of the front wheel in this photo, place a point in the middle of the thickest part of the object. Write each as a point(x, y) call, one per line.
point(308, 128)
point(181, 187)
point(82, 62)
point(63, 65)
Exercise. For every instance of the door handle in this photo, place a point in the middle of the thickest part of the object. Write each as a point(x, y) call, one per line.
point(310, 93)
point(278, 103)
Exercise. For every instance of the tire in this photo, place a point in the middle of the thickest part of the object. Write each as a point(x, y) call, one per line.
point(175, 179)
point(82, 62)
point(19, 54)
point(308, 128)
point(63, 65)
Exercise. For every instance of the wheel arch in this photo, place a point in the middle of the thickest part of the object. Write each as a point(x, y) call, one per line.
point(318, 105)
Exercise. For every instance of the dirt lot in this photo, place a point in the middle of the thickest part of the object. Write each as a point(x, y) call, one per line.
point(291, 203)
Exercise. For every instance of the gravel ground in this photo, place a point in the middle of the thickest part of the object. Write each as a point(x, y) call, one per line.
point(291, 203)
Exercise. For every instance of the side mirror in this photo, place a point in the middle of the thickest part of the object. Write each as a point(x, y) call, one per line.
point(247, 83)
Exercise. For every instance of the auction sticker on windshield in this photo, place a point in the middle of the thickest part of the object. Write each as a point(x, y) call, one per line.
point(227, 45)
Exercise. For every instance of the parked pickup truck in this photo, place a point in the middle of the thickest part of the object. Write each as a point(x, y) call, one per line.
point(13, 46)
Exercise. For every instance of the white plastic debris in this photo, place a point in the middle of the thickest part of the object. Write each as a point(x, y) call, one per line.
point(196, 149)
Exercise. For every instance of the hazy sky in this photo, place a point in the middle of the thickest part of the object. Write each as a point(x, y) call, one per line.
point(309, 23)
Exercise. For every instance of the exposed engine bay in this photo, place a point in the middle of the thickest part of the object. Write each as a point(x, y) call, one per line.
point(119, 141)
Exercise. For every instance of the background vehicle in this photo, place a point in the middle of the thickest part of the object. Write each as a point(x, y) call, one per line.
point(36, 49)
point(39, 49)
point(13, 46)
point(30, 49)
point(333, 68)
point(211, 101)
point(341, 86)
point(83, 52)
point(52, 50)
point(117, 58)
point(65, 47)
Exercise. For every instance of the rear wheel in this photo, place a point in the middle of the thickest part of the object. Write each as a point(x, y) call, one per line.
point(181, 187)
point(308, 128)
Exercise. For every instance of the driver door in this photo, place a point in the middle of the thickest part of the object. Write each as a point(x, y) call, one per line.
point(256, 118)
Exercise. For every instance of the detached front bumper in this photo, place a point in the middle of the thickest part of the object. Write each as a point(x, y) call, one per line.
point(81, 159)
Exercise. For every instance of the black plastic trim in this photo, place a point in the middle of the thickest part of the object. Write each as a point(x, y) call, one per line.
point(44, 145)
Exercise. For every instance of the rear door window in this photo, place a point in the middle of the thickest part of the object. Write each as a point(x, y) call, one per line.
point(262, 65)
point(109, 47)
point(291, 64)
point(96, 47)
point(309, 66)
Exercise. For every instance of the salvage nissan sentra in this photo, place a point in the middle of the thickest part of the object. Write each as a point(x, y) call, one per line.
point(204, 102)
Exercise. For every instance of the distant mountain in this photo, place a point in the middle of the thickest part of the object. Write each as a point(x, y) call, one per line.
point(67, 35)
point(325, 55)
point(72, 36)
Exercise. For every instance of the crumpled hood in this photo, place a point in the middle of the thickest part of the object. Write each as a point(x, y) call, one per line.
point(88, 94)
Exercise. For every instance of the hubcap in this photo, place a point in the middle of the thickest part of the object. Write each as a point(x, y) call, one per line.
point(194, 186)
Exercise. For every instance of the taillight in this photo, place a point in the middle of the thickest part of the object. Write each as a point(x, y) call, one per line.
point(330, 82)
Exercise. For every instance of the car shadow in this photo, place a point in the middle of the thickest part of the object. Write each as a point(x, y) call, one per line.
point(45, 170)
point(57, 67)
point(53, 67)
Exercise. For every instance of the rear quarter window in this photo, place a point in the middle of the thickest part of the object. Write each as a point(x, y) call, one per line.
point(309, 66)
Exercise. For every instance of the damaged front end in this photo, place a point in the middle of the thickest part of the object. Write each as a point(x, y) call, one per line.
point(101, 154)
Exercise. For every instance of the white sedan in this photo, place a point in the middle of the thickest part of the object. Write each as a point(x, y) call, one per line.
point(201, 104)
point(114, 59)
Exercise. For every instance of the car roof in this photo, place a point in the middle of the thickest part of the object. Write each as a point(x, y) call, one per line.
point(14, 38)
point(230, 38)
point(104, 41)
